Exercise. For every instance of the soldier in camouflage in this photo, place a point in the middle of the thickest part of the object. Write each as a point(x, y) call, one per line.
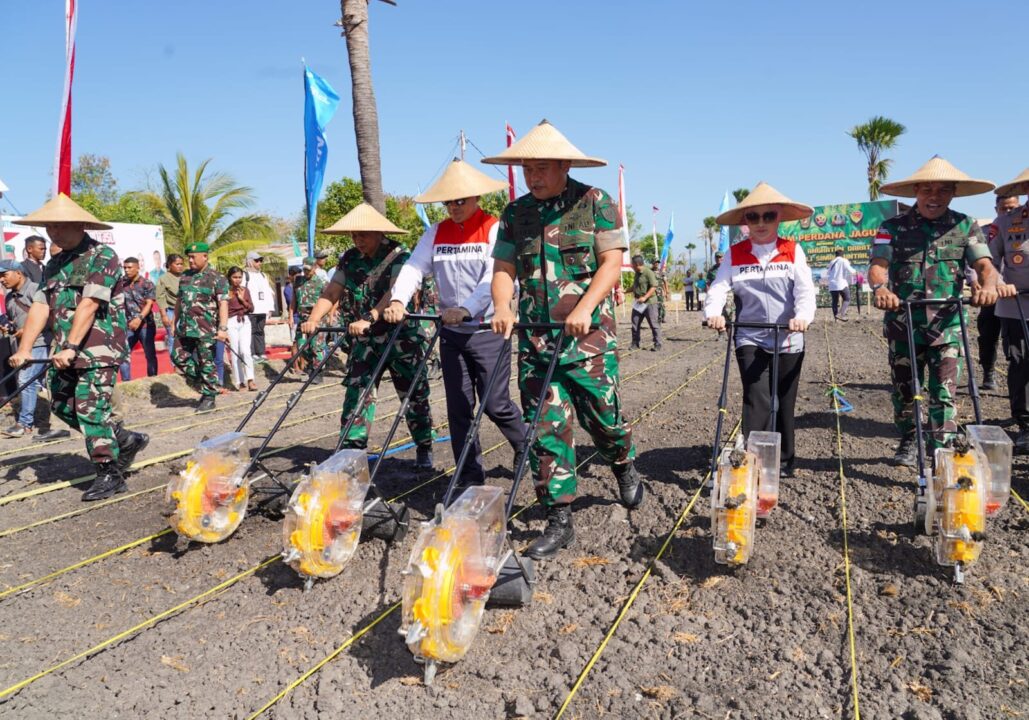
point(361, 286)
point(201, 319)
point(923, 254)
point(563, 243)
point(662, 289)
point(312, 346)
point(81, 298)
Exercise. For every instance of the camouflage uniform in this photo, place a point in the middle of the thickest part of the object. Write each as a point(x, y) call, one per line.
point(364, 281)
point(81, 394)
point(200, 293)
point(554, 245)
point(660, 294)
point(307, 296)
point(927, 260)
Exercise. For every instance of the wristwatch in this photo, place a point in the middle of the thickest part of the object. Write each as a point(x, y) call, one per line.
point(74, 348)
point(368, 317)
point(223, 328)
point(876, 286)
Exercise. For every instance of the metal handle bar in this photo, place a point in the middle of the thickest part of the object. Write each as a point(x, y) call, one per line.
point(759, 326)
point(939, 301)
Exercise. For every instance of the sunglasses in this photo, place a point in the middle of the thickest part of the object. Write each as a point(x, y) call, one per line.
point(459, 203)
point(768, 216)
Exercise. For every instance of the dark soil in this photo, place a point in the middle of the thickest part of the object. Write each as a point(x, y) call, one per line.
point(766, 641)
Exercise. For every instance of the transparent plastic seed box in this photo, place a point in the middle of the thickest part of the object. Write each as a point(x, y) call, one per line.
point(734, 506)
point(322, 527)
point(211, 495)
point(996, 446)
point(766, 447)
point(957, 507)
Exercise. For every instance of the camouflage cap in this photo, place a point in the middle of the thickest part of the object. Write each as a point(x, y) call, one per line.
point(8, 265)
point(197, 247)
point(309, 262)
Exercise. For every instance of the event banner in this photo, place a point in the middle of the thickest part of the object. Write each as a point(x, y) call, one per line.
point(850, 227)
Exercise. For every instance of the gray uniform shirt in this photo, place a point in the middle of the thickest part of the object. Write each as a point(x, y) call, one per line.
point(18, 304)
point(1009, 246)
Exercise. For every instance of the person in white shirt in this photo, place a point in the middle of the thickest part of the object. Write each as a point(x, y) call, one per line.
point(264, 302)
point(839, 276)
point(771, 283)
point(321, 259)
point(458, 252)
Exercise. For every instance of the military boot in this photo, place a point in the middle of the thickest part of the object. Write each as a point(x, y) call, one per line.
point(108, 482)
point(206, 403)
point(129, 445)
point(989, 380)
point(907, 452)
point(1022, 440)
point(559, 533)
point(423, 459)
point(630, 484)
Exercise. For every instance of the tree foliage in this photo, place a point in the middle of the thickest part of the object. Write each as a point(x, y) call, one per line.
point(92, 176)
point(740, 194)
point(873, 138)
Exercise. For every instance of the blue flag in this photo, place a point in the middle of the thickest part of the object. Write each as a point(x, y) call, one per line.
point(723, 234)
point(420, 211)
point(320, 103)
point(668, 241)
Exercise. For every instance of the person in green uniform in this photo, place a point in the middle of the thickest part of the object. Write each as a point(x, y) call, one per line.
point(563, 243)
point(201, 319)
point(81, 299)
point(923, 253)
point(361, 285)
point(645, 284)
point(662, 289)
point(312, 350)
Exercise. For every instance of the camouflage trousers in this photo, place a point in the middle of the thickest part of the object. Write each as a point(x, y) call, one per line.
point(194, 357)
point(311, 353)
point(82, 399)
point(403, 361)
point(660, 309)
point(589, 389)
point(943, 363)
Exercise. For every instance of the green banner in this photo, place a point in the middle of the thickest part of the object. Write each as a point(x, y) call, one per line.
point(850, 227)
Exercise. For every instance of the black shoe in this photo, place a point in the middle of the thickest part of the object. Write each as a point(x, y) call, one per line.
point(658, 346)
point(634, 346)
point(206, 403)
point(907, 452)
point(989, 381)
point(129, 446)
point(423, 460)
point(787, 469)
point(108, 482)
point(51, 434)
point(559, 533)
point(630, 485)
point(1022, 440)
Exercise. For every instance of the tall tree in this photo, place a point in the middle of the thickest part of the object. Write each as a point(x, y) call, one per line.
point(873, 138)
point(740, 193)
point(198, 208)
point(711, 227)
point(690, 247)
point(354, 23)
point(92, 176)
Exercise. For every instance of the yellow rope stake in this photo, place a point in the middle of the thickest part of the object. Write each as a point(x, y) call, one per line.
point(636, 589)
point(136, 628)
point(846, 546)
point(1019, 498)
point(327, 659)
point(83, 563)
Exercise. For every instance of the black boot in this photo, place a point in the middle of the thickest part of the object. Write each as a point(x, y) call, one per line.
point(129, 446)
point(559, 533)
point(1022, 440)
point(989, 380)
point(423, 460)
point(206, 403)
point(787, 469)
point(108, 482)
point(630, 485)
point(907, 452)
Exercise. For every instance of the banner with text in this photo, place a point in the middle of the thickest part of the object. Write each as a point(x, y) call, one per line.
point(850, 227)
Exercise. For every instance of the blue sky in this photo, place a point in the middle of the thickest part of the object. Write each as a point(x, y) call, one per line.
point(693, 98)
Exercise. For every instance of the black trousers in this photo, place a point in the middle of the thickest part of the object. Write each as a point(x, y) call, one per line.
point(688, 295)
point(650, 315)
point(756, 372)
point(1017, 353)
point(989, 326)
point(5, 352)
point(257, 333)
point(840, 302)
point(468, 360)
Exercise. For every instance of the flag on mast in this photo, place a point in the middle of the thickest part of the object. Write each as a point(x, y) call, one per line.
point(657, 250)
point(62, 158)
point(723, 234)
point(510, 168)
point(668, 242)
point(320, 103)
point(623, 211)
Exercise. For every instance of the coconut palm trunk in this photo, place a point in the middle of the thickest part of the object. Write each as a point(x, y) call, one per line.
point(366, 116)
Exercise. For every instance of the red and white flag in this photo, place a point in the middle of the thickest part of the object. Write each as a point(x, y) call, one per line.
point(623, 210)
point(62, 159)
point(510, 168)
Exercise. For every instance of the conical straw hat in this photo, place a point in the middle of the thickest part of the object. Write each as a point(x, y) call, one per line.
point(544, 142)
point(62, 209)
point(460, 180)
point(363, 218)
point(765, 194)
point(937, 170)
point(1018, 186)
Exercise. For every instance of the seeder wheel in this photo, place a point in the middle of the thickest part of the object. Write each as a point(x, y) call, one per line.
point(210, 496)
point(322, 526)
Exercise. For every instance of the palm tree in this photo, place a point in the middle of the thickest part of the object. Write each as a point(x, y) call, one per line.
point(878, 134)
point(690, 247)
point(710, 228)
point(740, 193)
point(366, 117)
point(194, 208)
